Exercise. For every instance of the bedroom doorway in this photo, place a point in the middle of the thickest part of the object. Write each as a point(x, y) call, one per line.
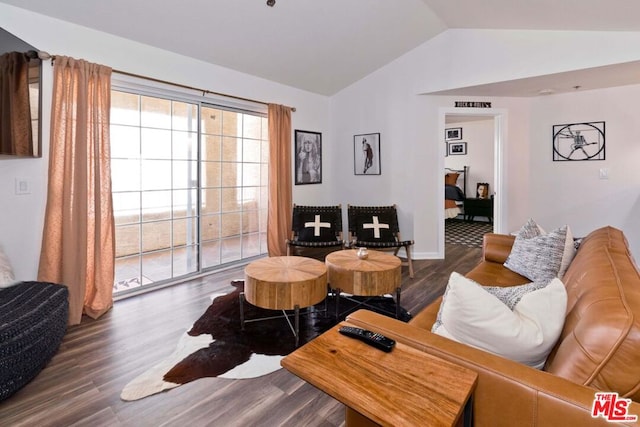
point(472, 149)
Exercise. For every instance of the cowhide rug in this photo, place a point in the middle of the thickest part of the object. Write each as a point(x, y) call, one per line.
point(216, 346)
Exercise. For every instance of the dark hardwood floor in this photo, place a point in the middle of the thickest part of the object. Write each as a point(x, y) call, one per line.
point(81, 386)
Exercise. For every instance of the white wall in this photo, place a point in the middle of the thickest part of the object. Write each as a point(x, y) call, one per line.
point(572, 192)
point(21, 217)
point(464, 57)
point(389, 101)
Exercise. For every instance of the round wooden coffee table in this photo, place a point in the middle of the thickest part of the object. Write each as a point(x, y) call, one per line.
point(376, 275)
point(284, 283)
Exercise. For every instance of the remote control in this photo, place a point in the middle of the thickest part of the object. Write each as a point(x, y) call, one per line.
point(374, 339)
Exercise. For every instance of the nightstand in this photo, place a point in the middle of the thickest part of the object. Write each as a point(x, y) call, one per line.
point(478, 207)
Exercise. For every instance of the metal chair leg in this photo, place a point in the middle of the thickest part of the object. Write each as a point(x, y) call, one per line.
point(297, 323)
point(241, 297)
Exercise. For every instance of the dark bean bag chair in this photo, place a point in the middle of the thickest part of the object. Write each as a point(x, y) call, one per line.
point(33, 321)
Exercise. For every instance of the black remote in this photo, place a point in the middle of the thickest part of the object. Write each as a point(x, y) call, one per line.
point(372, 338)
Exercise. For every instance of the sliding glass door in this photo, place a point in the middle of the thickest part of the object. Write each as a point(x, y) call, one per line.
point(189, 187)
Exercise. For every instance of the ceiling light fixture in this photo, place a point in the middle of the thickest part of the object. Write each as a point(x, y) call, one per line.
point(271, 3)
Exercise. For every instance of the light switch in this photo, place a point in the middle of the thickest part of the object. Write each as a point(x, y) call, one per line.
point(604, 173)
point(22, 186)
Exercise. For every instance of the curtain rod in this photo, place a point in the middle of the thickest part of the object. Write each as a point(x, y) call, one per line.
point(45, 55)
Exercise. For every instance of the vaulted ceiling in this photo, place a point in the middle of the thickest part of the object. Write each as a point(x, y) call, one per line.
point(323, 46)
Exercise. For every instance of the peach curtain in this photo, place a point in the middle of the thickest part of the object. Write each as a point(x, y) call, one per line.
point(280, 198)
point(78, 238)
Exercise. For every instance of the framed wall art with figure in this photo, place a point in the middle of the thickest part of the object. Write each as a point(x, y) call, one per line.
point(366, 154)
point(482, 190)
point(308, 157)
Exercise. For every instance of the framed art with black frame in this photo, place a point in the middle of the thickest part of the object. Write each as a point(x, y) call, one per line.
point(366, 154)
point(308, 152)
point(457, 148)
point(453, 134)
point(579, 141)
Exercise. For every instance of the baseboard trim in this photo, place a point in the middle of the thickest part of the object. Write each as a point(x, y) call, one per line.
point(426, 255)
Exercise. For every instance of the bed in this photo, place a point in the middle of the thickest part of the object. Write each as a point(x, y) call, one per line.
point(455, 189)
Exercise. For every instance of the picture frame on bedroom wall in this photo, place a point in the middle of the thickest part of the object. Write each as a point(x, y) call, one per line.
point(453, 134)
point(457, 148)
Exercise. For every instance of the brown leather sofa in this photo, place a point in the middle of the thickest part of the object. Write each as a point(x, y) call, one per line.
point(599, 348)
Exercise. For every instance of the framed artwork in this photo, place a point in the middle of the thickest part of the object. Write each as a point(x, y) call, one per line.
point(453, 134)
point(308, 152)
point(482, 190)
point(579, 141)
point(366, 154)
point(457, 148)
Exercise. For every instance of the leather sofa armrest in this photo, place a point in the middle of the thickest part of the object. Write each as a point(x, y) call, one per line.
point(497, 247)
point(508, 393)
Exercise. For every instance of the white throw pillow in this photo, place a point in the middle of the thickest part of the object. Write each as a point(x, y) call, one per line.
point(470, 314)
point(6, 272)
point(541, 256)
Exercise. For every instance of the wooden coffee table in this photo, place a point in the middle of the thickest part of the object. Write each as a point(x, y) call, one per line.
point(284, 283)
point(405, 387)
point(378, 274)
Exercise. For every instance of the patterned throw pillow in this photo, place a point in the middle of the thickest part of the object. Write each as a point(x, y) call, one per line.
point(541, 256)
point(570, 244)
point(374, 228)
point(530, 229)
point(524, 329)
point(317, 228)
point(511, 295)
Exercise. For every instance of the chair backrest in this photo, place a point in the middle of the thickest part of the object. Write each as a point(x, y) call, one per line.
point(317, 223)
point(373, 223)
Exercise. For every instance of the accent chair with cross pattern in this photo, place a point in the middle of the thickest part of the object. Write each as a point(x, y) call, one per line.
point(376, 227)
point(316, 231)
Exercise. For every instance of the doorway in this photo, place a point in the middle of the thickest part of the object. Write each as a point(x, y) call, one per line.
point(459, 152)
